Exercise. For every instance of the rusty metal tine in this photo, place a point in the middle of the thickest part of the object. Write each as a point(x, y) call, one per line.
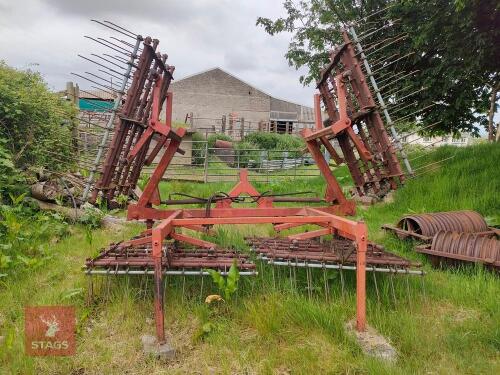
point(388, 77)
point(110, 62)
point(342, 280)
point(105, 45)
point(391, 281)
point(126, 43)
point(117, 30)
point(97, 83)
point(404, 107)
point(386, 26)
point(102, 78)
point(408, 293)
point(395, 40)
point(374, 13)
point(104, 66)
point(375, 283)
point(415, 112)
point(121, 78)
point(398, 79)
point(409, 95)
point(425, 127)
point(122, 28)
point(375, 63)
point(101, 87)
point(92, 94)
point(392, 62)
point(125, 50)
point(118, 58)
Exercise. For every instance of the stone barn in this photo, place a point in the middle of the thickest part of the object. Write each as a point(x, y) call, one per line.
point(217, 101)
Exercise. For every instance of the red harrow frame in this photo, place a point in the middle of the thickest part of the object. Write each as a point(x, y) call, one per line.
point(354, 123)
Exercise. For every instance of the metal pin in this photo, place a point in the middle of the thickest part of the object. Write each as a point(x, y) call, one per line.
point(409, 95)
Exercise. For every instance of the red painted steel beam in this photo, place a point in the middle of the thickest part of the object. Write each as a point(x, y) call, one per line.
point(192, 240)
point(311, 234)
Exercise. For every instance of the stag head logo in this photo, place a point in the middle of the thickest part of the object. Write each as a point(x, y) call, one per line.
point(52, 325)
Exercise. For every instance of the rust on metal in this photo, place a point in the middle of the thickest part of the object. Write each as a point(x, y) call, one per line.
point(468, 247)
point(354, 121)
point(338, 251)
point(139, 258)
point(425, 226)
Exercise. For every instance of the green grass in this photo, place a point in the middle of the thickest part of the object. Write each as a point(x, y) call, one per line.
point(445, 323)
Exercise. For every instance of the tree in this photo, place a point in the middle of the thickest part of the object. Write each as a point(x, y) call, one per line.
point(454, 46)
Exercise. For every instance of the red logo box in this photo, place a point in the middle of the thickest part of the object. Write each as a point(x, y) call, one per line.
point(49, 330)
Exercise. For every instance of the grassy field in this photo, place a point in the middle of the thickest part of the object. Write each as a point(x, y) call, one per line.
point(445, 323)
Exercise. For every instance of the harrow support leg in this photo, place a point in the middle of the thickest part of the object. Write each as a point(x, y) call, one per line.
point(158, 287)
point(361, 239)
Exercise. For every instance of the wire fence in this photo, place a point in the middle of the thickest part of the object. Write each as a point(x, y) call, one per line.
point(209, 164)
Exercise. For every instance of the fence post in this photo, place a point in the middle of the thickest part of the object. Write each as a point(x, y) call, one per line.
point(242, 130)
point(267, 169)
point(205, 166)
point(223, 124)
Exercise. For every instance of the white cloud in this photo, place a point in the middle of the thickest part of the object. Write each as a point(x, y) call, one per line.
point(196, 34)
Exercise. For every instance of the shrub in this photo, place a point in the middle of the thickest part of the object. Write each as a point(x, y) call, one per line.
point(198, 149)
point(276, 142)
point(25, 234)
point(214, 137)
point(36, 124)
point(11, 181)
point(246, 154)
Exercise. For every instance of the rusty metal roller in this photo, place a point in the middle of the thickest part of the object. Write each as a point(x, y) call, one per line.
point(431, 223)
point(466, 246)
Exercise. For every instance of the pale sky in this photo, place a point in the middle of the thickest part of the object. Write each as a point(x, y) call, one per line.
point(47, 35)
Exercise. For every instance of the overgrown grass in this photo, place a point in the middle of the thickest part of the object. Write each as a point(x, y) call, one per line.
point(445, 323)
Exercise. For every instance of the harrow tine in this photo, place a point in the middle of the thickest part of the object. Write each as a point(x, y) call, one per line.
point(342, 281)
point(393, 291)
point(325, 280)
point(375, 283)
point(105, 45)
point(108, 61)
point(122, 28)
point(117, 29)
point(101, 65)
